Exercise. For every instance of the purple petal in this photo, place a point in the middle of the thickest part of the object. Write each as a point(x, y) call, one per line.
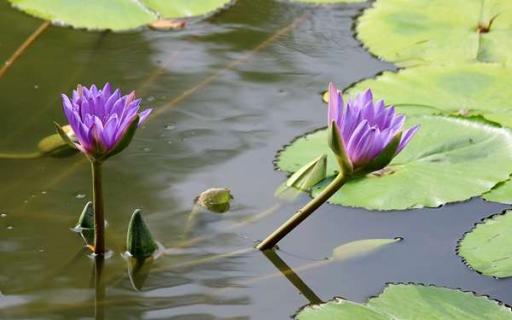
point(107, 90)
point(143, 116)
point(406, 137)
point(356, 136)
point(334, 105)
point(109, 131)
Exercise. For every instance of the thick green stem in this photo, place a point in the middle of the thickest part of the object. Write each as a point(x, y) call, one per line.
point(99, 216)
point(303, 213)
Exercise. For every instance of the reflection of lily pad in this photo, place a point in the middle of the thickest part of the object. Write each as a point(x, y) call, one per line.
point(115, 14)
point(413, 32)
point(448, 160)
point(488, 247)
point(411, 301)
point(467, 90)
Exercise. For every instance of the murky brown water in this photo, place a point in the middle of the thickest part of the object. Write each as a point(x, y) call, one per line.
point(228, 92)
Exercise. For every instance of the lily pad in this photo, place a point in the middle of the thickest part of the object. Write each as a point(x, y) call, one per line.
point(328, 1)
point(448, 160)
point(360, 248)
point(500, 193)
point(488, 247)
point(467, 90)
point(411, 301)
point(115, 14)
point(438, 31)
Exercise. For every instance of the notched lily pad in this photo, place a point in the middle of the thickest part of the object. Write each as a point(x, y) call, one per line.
point(411, 301)
point(426, 32)
point(502, 193)
point(328, 1)
point(487, 248)
point(448, 160)
point(115, 15)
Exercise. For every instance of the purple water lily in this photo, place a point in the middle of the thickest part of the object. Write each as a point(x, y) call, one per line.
point(365, 136)
point(101, 119)
point(366, 127)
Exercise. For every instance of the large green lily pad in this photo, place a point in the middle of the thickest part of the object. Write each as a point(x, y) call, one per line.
point(115, 14)
point(469, 90)
point(448, 160)
point(411, 301)
point(328, 1)
point(415, 32)
point(501, 193)
point(488, 247)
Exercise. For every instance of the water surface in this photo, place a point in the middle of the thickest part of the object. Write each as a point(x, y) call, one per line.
point(228, 92)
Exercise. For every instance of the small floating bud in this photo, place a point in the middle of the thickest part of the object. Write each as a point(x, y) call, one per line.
point(309, 175)
point(54, 146)
point(139, 241)
point(215, 199)
point(85, 225)
point(86, 220)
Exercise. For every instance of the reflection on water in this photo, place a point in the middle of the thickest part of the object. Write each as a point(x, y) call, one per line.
point(228, 92)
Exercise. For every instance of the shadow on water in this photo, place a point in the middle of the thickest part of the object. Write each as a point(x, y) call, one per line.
point(226, 98)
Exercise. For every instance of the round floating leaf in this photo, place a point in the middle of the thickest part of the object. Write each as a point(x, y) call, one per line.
point(488, 247)
point(438, 31)
point(500, 193)
point(328, 1)
point(411, 301)
point(469, 90)
point(448, 160)
point(115, 14)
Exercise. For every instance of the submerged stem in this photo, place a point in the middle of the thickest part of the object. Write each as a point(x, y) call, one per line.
point(99, 216)
point(23, 47)
point(21, 156)
point(303, 213)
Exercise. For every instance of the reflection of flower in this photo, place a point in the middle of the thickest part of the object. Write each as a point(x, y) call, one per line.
point(102, 119)
point(366, 128)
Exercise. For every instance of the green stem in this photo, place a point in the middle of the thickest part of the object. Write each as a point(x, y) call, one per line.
point(303, 213)
point(99, 216)
point(21, 156)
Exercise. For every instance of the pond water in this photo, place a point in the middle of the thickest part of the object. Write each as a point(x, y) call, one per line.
point(228, 92)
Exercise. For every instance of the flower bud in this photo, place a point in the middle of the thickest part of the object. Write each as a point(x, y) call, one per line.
point(309, 175)
point(215, 199)
point(139, 241)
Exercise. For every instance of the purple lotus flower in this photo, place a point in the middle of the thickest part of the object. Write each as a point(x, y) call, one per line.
point(367, 129)
point(103, 121)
